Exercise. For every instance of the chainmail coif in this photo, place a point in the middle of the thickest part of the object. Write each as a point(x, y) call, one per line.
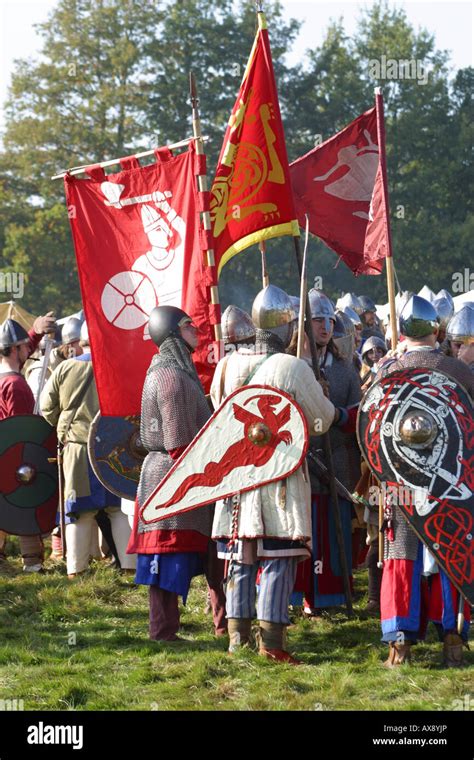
point(175, 353)
point(268, 343)
point(174, 409)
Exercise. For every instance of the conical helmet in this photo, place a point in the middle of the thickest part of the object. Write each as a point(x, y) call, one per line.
point(350, 300)
point(12, 334)
point(71, 330)
point(367, 304)
point(237, 326)
point(321, 307)
point(401, 299)
point(84, 334)
point(374, 342)
point(443, 293)
point(344, 335)
point(295, 300)
point(427, 294)
point(444, 308)
point(418, 318)
point(273, 311)
point(353, 316)
point(460, 328)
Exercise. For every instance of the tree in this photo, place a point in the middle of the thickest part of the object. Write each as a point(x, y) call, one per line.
point(428, 140)
point(113, 79)
point(214, 41)
point(40, 251)
point(86, 99)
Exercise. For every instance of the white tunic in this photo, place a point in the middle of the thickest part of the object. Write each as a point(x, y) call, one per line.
point(263, 512)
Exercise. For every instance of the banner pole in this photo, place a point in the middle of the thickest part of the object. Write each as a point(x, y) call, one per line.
point(203, 186)
point(303, 294)
point(263, 250)
point(326, 446)
point(389, 259)
point(81, 169)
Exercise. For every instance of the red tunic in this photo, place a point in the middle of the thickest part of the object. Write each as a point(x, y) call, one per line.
point(15, 393)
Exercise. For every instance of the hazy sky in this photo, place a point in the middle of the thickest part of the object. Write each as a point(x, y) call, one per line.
point(451, 23)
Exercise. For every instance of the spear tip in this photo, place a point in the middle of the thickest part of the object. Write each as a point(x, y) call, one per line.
point(193, 86)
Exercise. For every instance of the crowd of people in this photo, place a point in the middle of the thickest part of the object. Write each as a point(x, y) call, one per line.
point(272, 551)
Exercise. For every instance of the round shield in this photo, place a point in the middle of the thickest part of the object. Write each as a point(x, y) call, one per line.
point(416, 429)
point(415, 425)
point(29, 482)
point(116, 453)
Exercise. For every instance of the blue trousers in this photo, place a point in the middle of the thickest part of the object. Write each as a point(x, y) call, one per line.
point(276, 584)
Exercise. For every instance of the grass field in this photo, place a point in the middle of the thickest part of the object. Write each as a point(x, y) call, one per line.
point(83, 645)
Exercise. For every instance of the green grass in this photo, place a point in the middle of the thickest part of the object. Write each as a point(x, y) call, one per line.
point(83, 645)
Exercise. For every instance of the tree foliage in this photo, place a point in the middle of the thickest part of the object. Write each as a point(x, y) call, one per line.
point(113, 79)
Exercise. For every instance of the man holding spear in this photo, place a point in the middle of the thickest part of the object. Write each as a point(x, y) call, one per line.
point(269, 529)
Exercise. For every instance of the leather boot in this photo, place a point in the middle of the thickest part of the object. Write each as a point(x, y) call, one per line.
point(398, 654)
point(272, 643)
point(452, 651)
point(239, 633)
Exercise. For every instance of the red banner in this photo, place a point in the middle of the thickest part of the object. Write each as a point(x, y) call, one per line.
point(138, 242)
point(339, 184)
point(251, 195)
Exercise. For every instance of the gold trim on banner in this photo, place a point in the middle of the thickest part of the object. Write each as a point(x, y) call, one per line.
point(277, 230)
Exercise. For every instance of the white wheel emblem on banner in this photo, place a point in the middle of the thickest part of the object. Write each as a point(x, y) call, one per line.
point(127, 300)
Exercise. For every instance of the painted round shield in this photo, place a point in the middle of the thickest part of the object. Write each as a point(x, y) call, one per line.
point(416, 429)
point(29, 482)
point(116, 453)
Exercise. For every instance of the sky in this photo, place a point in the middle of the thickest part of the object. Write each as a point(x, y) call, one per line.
point(450, 22)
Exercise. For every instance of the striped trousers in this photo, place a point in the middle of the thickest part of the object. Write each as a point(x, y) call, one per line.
point(277, 579)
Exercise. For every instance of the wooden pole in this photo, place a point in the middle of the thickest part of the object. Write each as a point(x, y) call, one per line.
point(62, 513)
point(263, 250)
point(203, 186)
point(383, 163)
point(303, 294)
point(81, 169)
point(460, 617)
point(381, 535)
point(327, 447)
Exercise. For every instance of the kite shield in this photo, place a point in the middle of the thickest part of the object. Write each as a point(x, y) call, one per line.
point(416, 431)
point(257, 436)
point(29, 482)
point(116, 453)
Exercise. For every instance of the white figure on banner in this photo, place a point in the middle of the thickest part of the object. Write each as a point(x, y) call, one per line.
point(156, 276)
point(358, 183)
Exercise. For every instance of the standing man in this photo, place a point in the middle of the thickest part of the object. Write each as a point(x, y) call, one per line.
point(174, 409)
point(16, 345)
point(272, 523)
point(460, 334)
point(369, 319)
point(69, 401)
point(238, 334)
point(406, 595)
point(325, 586)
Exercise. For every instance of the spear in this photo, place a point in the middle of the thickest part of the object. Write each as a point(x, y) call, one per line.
point(203, 186)
point(303, 294)
point(263, 250)
point(389, 257)
point(305, 306)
